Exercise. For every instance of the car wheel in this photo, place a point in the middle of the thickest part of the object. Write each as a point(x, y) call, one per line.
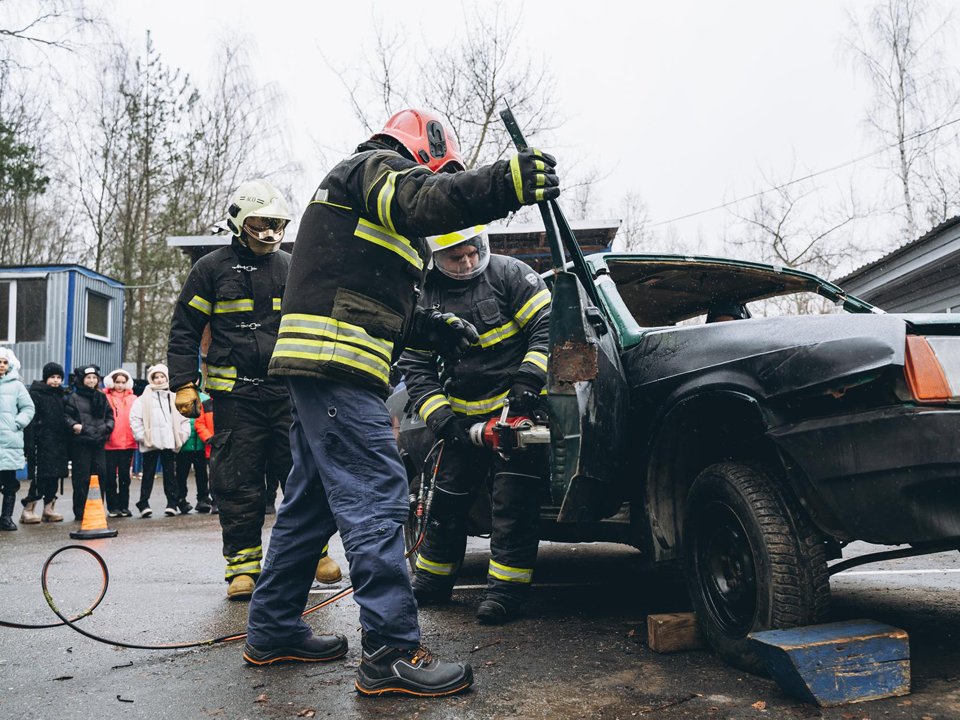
point(410, 535)
point(754, 560)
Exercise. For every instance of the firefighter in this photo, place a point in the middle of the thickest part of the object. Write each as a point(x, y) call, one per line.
point(237, 291)
point(349, 309)
point(509, 305)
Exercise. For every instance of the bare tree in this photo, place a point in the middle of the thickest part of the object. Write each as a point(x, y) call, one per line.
point(44, 25)
point(899, 49)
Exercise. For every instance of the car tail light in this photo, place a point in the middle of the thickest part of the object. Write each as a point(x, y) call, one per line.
point(925, 375)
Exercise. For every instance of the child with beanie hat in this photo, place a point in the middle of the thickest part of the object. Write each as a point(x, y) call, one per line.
point(47, 445)
point(92, 423)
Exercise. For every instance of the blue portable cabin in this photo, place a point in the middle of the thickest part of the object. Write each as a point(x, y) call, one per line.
point(61, 313)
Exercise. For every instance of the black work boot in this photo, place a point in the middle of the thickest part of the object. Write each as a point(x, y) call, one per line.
point(497, 611)
point(428, 590)
point(6, 513)
point(319, 648)
point(388, 669)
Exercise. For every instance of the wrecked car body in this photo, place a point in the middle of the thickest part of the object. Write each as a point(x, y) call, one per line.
point(749, 452)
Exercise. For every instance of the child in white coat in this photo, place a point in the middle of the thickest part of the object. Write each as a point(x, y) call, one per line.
point(160, 431)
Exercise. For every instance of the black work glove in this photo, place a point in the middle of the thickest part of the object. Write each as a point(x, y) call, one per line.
point(532, 176)
point(444, 332)
point(524, 397)
point(447, 427)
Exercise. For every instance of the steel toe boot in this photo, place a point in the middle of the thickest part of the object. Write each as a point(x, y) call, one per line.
point(319, 648)
point(49, 515)
point(29, 515)
point(386, 669)
point(240, 588)
point(328, 571)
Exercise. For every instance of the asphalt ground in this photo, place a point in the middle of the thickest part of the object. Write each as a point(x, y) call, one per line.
point(579, 652)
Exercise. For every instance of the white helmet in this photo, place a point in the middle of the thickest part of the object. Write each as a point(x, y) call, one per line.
point(258, 215)
point(452, 253)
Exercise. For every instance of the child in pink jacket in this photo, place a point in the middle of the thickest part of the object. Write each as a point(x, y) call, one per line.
point(121, 445)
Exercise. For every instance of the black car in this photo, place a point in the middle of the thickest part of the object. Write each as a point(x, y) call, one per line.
point(749, 452)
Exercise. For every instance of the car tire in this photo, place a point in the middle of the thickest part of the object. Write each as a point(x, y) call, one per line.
point(410, 536)
point(754, 559)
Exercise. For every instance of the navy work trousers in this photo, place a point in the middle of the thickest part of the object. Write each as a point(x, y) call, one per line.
point(347, 475)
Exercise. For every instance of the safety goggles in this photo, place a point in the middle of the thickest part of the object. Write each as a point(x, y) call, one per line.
point(265, 229)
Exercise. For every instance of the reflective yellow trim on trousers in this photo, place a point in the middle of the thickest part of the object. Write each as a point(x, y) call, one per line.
point(245, 562)
point(385, 238)
point(277, 302)
point(537, 358)
point(198, 303)
point(231, 306)
point(334, 329)
point(492, 337)
point(436, 568)
point(510, 574)
point(434, 403)
point(526, 313)
point(337, 353)
point(478, 407)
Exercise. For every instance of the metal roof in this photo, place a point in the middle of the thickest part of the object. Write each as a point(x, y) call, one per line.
point(63, 268)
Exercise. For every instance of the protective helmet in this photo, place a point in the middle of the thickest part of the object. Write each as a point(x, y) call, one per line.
point(452, 252)
point(426, 138)
point(258, 215)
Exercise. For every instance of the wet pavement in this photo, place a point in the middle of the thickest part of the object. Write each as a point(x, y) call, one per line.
point(579, 652)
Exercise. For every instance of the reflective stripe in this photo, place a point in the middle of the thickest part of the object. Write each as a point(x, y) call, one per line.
point(229, 306)
point(252, 568)
point(219, 384)
point(536, 358)
point(390, 240)
point(254, 552)
point(517, 177)
point(492, 337)
point(510, 574)
point(245, 562)
point(436, 568)
point(222, 379)
point(478, 407)
point(458, 236)
point(225, 372)
point(434, 403)
point(385, 199)
point(200, 304)
point(276, 303)
point(334, 329)
point(325, 549)
point(532, 307)
point(339, 353)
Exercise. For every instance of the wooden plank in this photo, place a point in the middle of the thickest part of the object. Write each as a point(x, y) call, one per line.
point(838, 663)
point(673, 632)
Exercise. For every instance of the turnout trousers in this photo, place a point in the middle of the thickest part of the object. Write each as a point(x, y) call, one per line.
point(251, 441)
point(347, 475)
point(516, 489)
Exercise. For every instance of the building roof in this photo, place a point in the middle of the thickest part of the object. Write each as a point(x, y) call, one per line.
point(895, 254)
point(62, 268)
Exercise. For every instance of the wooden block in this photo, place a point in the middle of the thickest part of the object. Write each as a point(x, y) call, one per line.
point(838, 663)
point(672, 632)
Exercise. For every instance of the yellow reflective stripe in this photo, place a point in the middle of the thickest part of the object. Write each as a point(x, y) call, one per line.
point(478, 407)
point(390, 240)
point(229, 306)
point(245, 554)
point(339, 353)
point(436, 568)
point(385, 199)
point(457, 236)
point(200, 304)
point(226, 371)
point(325, 548)
point(492, 337)
point(536, 358)
point(214, 383)
point(334, 329)
point(324, 202)
point(510, 574)
point(434, 403)
point(532, 307)
point(517, 177)
point(277, 302)
point(248, 569)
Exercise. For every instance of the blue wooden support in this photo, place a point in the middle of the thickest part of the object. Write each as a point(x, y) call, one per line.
point(838, 663)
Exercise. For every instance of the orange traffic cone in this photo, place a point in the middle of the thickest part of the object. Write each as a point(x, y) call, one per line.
point(94, 523)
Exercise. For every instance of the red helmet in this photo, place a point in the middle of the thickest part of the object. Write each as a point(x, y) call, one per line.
point(425, 136)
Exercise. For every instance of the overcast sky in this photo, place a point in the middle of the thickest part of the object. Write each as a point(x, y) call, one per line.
point(683, 101)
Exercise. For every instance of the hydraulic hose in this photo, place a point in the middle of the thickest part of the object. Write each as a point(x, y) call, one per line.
point(71, 622)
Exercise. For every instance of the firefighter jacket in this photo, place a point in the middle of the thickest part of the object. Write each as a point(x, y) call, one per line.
point(360, 260)
point(238, 293)
point(510, 307)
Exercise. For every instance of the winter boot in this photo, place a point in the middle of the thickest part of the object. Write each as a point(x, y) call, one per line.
point(48, 513)
point(29, 515)
point(184, 507)
point(203, 506)
point(318, 648)
point(328, 571)
point(240, 588)
point(497, 612)
point(6, 513)
point(428, 589)
point(387, 669)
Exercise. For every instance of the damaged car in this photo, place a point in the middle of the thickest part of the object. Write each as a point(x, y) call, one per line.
point(750, 452)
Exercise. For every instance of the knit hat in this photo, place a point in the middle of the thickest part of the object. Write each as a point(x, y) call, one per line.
point(159, 367)
point(52, 368)
point(108, 382)
point(83, 370)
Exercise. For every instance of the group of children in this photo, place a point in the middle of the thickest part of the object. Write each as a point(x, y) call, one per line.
point(97, 430)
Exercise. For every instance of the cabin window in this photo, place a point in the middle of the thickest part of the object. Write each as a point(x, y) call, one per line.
point(23, 310)
point(98, 316)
